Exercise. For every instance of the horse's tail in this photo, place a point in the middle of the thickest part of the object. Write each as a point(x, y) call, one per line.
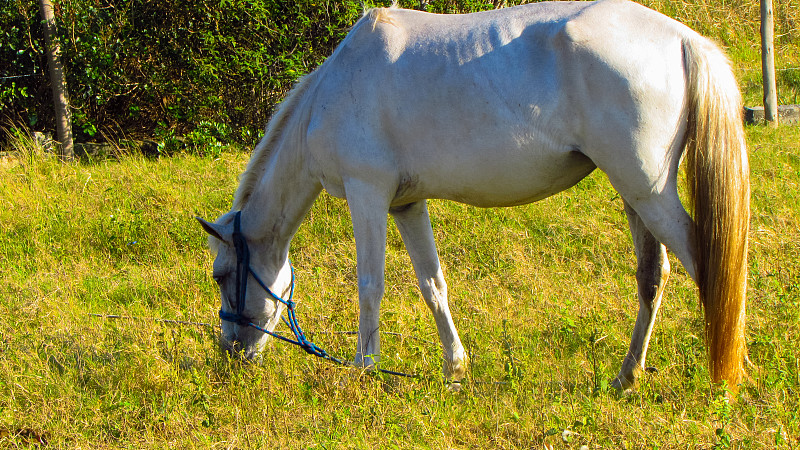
point(719, 188)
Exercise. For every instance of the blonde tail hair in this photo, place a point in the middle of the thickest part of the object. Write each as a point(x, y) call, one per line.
point(718, 179)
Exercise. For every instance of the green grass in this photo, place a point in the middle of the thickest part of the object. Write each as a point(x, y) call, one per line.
point(543, 296)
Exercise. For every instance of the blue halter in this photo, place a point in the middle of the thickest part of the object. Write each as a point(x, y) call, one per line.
point(243, 272)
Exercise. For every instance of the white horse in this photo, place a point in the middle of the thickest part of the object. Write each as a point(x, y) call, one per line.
point(501, 108)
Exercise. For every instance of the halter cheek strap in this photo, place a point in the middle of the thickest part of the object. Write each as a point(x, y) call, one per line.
point(242, 267)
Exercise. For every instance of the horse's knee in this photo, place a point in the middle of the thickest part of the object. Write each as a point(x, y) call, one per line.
point(370, 292)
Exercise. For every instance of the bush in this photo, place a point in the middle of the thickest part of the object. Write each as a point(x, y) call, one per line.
point(150, 68)
point(22, 64)
point(145, 67)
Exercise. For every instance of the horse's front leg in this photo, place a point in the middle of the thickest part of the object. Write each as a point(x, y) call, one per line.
point(368, 209)
point(415, 228)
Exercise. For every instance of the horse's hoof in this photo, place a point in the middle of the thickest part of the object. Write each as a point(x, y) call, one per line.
point(362, 362)
point(455, 371)
point(621, 385)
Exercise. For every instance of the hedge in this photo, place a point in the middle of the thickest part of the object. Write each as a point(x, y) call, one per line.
point(155, 68)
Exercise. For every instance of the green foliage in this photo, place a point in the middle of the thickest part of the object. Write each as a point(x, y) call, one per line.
point(136, 67)
point(22, 63)
point(149, 69)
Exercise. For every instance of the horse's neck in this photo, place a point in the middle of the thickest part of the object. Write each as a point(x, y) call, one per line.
point(280, 200)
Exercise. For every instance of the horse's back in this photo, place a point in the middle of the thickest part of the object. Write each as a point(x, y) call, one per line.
point(511, 99)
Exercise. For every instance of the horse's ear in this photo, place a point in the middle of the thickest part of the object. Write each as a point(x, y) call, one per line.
point(211, 228)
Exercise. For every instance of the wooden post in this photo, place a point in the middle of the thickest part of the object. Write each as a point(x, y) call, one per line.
point(58, 82)
point(768, 63)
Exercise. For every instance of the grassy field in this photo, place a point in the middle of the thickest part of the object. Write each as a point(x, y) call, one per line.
point(543, 295)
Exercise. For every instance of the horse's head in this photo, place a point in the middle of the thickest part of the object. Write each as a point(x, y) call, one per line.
point(251, 289)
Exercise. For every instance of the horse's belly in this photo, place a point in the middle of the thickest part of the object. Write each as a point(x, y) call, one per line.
point(495, 180)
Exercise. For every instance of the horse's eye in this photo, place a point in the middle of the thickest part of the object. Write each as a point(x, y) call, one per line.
point(218, 279)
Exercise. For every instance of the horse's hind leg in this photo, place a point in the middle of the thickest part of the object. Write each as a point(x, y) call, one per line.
point(415, 228)
point(651, 276)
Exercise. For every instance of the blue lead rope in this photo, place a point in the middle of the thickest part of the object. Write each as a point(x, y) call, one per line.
point(243, 270)
point(301, 340)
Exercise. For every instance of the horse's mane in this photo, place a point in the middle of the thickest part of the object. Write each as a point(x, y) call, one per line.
point(275, 127)
point(280, 120)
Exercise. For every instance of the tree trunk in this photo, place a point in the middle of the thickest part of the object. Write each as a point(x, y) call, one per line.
point(58, 82)
point(768, 63)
